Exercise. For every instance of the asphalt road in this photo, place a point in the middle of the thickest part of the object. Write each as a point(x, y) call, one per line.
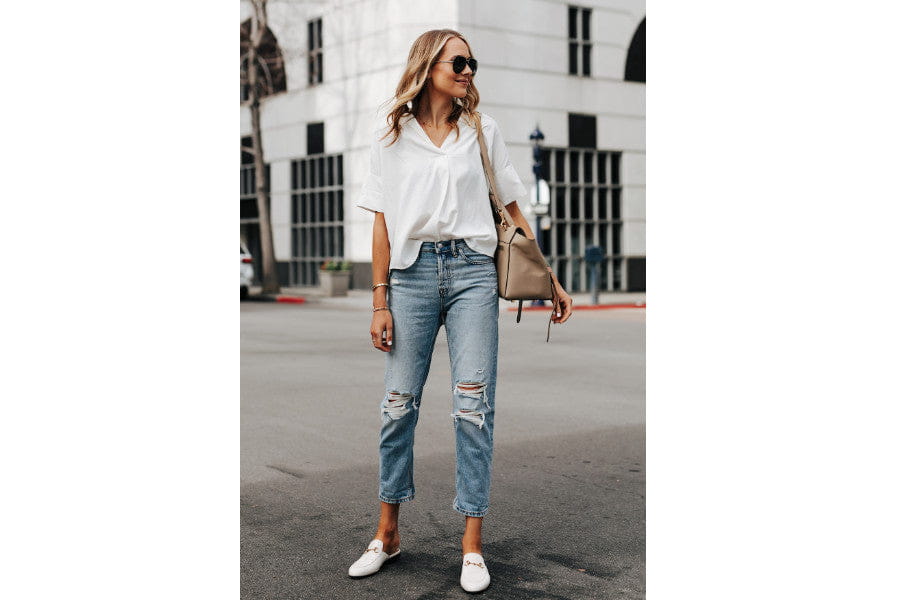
point(567, 513)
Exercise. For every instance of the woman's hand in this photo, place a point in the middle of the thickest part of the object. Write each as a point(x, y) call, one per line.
point(382, 330)
point(563, 309)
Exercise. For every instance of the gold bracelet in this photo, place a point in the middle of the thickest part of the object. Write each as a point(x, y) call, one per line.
point(378, 285)
point(381, 308)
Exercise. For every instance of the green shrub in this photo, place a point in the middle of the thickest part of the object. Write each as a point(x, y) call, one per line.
point(335, 265)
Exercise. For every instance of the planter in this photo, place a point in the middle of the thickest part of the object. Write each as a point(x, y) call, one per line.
point(334, 283)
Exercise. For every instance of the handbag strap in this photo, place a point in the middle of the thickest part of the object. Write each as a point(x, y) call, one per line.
point(502, 215)
point(555, 301)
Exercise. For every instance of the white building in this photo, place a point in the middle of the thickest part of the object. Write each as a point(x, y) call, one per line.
point(574, 69)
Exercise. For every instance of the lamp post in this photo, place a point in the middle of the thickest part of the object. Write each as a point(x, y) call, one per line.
point(540, 208)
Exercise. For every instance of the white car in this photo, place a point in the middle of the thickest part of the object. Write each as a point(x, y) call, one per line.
point(246, 271)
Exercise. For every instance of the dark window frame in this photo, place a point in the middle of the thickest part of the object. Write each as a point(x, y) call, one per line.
point(579, 40)
point(315, 138)
point(585, 210)
point(272, 75)
point(317, 215)
point(314, 63)
point(582, 130)
point(636, 59)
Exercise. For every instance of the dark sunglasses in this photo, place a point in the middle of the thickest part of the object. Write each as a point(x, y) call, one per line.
point(460, 62)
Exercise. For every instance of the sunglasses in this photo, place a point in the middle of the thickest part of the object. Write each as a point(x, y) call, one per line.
point(460, 62)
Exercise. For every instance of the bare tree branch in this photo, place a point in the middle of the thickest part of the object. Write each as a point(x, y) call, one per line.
point(258, 25)
point(262, 22)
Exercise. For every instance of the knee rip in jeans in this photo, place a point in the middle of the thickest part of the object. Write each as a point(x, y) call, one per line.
point(471, 390)
point(397, 405)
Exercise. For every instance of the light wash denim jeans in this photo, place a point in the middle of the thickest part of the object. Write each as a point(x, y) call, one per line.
point(453, 285)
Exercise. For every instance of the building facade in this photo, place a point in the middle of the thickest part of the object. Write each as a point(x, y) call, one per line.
point(575, 70)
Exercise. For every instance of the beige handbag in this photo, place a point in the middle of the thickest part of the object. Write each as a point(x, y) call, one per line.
point(522, 272)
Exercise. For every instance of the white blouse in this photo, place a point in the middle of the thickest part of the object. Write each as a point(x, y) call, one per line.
point(430, 194)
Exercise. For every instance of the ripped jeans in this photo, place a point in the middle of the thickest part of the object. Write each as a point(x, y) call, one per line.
point(453, 285)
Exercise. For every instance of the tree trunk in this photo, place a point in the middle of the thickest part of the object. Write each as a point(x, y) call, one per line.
point(269, 270)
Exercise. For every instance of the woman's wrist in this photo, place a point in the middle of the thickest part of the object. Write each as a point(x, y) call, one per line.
point(553, 278)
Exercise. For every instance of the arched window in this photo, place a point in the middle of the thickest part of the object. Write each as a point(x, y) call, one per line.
point(636, 63)
point(271, 74)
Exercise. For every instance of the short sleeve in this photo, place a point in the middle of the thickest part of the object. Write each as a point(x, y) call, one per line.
point(372, 195)
point(511, 188)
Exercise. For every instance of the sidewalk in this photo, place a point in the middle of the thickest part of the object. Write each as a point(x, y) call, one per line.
point(362, 299)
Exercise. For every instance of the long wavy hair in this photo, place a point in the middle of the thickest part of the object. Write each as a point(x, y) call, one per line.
point(422, 56)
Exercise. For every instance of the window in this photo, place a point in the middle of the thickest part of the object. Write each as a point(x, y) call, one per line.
point(317, 215)
point(315, 138)
point(247, 151)
point(314, 29)
point(585, 210)
point(579, 41)
point(582, 131)
point(249, 208)
point(636, 62)
point(270, 63)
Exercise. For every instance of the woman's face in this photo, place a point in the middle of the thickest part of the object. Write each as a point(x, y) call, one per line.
point(442, 77)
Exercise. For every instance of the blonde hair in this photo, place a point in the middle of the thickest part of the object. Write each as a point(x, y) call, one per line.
point(422, 56)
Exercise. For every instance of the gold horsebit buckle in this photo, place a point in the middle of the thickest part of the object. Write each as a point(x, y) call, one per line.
point(474, 563)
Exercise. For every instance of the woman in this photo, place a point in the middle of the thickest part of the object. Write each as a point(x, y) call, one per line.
point(432, 247)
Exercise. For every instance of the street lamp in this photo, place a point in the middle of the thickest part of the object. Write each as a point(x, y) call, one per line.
point(540, 208)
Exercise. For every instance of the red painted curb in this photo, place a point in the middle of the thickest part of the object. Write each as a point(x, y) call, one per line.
point(291, 299)
point(590, 307)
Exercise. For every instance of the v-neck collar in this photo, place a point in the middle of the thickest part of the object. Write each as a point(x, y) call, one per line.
point(428, 138)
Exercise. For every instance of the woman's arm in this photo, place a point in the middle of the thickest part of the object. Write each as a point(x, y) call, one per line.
point(519, 219)
point(564, 307)
point(382, 329)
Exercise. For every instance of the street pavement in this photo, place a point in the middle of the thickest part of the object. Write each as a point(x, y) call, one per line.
point(566, 519)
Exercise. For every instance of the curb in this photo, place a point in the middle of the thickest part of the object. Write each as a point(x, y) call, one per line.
point(590, 307)
point(279, 298)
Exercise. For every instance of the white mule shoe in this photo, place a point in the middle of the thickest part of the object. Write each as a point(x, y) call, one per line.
point(371, 560)
point(474, 576)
